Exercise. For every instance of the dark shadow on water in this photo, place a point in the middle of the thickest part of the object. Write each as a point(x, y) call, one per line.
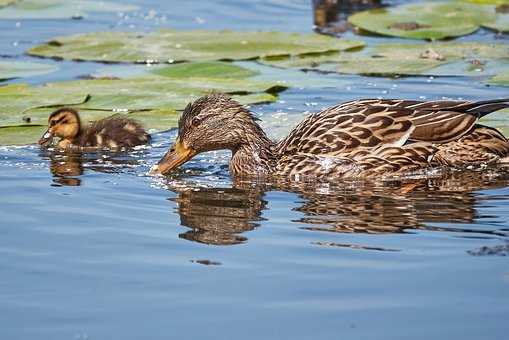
point(220, 216)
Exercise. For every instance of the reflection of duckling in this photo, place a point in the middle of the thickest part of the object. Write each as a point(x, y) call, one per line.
point(112, 132)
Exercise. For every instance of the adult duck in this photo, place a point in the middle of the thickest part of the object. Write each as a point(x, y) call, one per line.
point(361, 138)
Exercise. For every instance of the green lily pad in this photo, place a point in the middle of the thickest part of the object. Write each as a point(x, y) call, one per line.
point(500, 25)
point(4, 3)
point(451, 58)
point(18, 69)
point(150, 98)
point(501, 22)
point(498, 120)
point(428, 20)
point(204, 69)
point(58, 9)
point(501, 79)
point(19, 135)
point(175, 46)
point(488, 2)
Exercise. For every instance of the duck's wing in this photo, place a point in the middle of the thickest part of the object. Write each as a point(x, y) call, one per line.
point(114, 132)
point(342, 129)
point(390, 159)
point(483, 145)
point(371, 123)
point(442, 122)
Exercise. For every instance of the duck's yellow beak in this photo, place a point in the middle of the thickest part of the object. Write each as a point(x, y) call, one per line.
point(177, 155)
point(46, 138)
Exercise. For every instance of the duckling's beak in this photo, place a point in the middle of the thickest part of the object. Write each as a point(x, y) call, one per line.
point(46, 139)
point(177, 155)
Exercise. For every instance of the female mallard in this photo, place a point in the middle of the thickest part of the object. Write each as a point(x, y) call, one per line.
point(362, 138)
point(112, 132)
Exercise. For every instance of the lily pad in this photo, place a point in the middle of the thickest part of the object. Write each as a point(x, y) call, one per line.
point(498, 120)
point(204, 69)
point(19, 135)
point(501, 22)
point(488, 2)
point(501, 79)
point(58, 9)
point(175, 46)
point(428, 20)
point(152, 99)
point(451, 58)
point(18, 69)
point(4, 3)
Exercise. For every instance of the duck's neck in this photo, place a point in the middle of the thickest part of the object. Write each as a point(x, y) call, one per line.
point(254, 156)
point(67, 142)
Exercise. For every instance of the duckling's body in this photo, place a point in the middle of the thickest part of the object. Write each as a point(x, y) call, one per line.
point(363, 138)
point(108, 133)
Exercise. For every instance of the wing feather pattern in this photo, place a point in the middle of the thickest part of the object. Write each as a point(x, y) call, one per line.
point(365, 137)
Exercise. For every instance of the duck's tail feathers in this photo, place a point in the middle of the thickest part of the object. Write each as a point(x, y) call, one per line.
point(481, 108)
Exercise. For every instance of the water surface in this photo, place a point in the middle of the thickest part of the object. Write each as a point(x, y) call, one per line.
point(93, 248)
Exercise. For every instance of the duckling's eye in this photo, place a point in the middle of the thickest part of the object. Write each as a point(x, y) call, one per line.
point(52, 123)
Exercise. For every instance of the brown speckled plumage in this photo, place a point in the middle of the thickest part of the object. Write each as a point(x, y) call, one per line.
point(113, 132)
point(362, 138)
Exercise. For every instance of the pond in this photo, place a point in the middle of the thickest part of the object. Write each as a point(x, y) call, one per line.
point(92, 247)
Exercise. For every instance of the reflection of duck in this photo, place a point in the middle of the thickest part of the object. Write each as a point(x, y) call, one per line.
point(363, 138)
point(218, 216)
point(112, 133)
point(330, 16)
point(393, 209)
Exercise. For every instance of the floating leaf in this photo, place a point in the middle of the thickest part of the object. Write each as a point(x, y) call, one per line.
point(488, 2)
point(498, 119)
point(17, 99)
point(451, 58)
point(172, 45)
point(428, 20)
point(19, 135)
point(151, 99)
point(18, 69)
point(501, 79)
point(501, 22)
point(204, 69)
point(57, 9)
point(4, 3)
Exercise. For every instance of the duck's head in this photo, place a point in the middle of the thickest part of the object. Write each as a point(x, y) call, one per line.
point(63, 123)
point(213, 122)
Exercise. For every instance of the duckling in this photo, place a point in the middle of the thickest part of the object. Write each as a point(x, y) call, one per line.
point(361, 138)
point(112, 132)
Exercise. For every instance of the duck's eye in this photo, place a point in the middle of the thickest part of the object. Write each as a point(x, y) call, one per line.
point(195, 121)
point(52, 123)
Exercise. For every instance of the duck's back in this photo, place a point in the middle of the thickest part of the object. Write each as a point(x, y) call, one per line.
point(383, 134)
point(369, 123)
point(114, 132)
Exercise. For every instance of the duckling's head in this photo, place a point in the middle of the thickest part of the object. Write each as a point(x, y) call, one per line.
point(213, 122)
point(63, 123)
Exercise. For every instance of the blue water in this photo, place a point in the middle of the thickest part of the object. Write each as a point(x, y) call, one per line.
point(93, 248)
